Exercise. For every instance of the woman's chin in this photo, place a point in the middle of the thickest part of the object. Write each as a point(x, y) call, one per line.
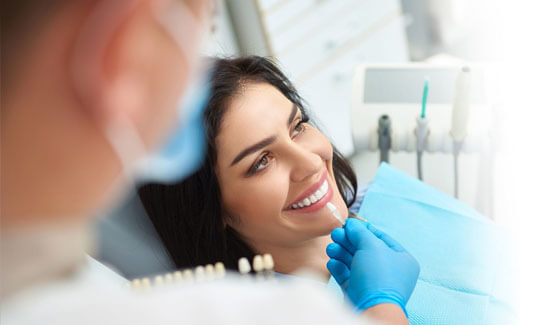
point(326, 226)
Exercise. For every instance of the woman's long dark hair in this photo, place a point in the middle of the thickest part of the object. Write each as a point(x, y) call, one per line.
point(188, 215)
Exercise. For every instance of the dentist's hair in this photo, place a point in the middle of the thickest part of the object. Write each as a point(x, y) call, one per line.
point(188, 215)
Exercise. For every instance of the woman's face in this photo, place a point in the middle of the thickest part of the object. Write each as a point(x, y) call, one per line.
point(269, 165)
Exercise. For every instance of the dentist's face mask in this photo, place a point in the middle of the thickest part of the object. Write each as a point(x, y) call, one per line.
point(183, 150)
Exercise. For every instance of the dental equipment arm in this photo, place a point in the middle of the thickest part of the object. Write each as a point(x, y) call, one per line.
point(370, 266)
point(461, 112)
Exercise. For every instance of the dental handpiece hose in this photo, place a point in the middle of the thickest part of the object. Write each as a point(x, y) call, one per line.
point(384, 138)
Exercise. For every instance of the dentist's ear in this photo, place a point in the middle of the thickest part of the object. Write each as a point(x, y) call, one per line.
point(123, 64)
point(101, 83)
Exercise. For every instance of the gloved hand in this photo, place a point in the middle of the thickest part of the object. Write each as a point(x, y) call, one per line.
point(370, 266)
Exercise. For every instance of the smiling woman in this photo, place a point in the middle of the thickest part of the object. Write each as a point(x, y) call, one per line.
point(266, 181)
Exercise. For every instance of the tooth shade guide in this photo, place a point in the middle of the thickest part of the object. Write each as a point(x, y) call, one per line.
point(262, 264)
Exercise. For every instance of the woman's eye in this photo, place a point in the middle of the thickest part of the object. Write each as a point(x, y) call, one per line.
point(260, 164)
point(299, 128)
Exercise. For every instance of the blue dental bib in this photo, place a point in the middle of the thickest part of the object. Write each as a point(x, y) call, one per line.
point(467, 271)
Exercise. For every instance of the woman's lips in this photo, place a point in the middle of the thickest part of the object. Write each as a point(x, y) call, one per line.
point(311, 190)
point(321, 203)
point(314, 198)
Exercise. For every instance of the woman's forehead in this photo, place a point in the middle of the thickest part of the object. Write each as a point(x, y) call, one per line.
point(260, 111)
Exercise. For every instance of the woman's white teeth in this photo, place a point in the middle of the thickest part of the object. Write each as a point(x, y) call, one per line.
point(323, 189)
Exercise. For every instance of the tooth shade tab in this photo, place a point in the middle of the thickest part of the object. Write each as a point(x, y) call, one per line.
point(209, 271)
point(200, 273)
point(258, 263)
point(159, 280)
point(268, 262)
point(335, 212)
point(219, 270)
point(178, 276)
point(244, 265)
point(188, 275)
point(321, 191)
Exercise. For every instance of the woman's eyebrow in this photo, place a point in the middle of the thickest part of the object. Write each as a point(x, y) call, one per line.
point(265, 142)
point(253, 148)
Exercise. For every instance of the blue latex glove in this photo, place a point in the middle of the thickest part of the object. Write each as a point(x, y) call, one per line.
point(370, 266)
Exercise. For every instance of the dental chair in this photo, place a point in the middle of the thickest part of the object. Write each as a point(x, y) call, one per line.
point(129, 244)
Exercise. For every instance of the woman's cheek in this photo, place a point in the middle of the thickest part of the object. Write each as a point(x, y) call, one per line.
point(265, 199)
point(318, 143)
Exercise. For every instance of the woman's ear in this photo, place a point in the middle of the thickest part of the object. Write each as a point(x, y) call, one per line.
point(229, 221)
point(226, 219)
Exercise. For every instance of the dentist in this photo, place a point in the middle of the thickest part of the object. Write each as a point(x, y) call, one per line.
point(89, 89)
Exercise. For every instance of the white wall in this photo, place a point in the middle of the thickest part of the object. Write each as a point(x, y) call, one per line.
point(319, 43)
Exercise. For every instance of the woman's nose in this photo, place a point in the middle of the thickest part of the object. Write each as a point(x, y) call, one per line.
point(303, 163)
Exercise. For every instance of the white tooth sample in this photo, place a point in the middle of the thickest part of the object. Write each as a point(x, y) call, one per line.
point(199, 273)
point(145, 283)
point(187, 275)
point(178, 276)
point(313, 198)
point(168, 278)
point(268, 262)
point(136, 283)
point(295, 206)
point(209, 271)
point(159, 280)
point(335, 212)
point(307, 202)
point(319, 194)
point(220, 270)
point(258, 263)
point(300, 205)
point(244, 265)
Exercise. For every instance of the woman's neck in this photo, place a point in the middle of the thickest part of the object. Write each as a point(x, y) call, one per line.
point(309, 255)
